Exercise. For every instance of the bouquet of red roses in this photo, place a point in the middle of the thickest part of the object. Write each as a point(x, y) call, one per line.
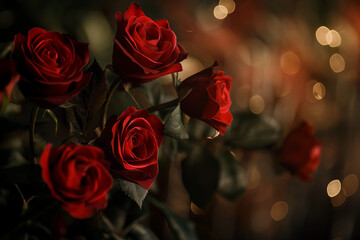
point(87, 158)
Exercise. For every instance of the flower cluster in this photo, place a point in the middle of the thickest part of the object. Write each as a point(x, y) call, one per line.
point(49, 67)
point(104, 148)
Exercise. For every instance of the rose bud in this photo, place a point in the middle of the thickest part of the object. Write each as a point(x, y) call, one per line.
point(144, 49)
point(206, 96)
point(8, 78)
point(300, 152)
point(50, 65)
point(131, 143)
point(76, 176)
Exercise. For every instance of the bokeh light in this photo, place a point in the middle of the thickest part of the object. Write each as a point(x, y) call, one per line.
point(229, 4)
point(321, 34)
point(257, 104)
point(333, 38)
point(290, 63)
point(333, 188)
point(279, 210)
point(339, 199)
point(220, 12)
point(337, 63)
point(319, 90)
point(350, 185)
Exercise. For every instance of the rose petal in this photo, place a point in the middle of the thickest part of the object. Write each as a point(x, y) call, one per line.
point(134, 10)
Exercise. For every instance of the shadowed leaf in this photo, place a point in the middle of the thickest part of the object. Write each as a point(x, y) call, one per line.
point(88, 103)
point(199, 129)
point(233, 177)
point(121, 99)
point(141, 232)
point(133, 190)
point(122, 211)
point(173, 125)
point(182, 228)
point(250, 131)
point(200, 174)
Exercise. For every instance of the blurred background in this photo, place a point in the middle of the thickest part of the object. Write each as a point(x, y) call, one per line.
point(290, 59)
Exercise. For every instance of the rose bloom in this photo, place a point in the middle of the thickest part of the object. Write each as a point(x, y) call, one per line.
point(8, 78)
point(76, 176)
point(208, 99)
point(131, 143)
point(144, 49)
point(50, 65)
point(300, 152)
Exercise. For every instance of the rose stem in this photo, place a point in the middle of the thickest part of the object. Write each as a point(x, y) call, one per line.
point(34, 114)
point(46, 209)
point(113, 88)
point(25, 205)
point(163, 105)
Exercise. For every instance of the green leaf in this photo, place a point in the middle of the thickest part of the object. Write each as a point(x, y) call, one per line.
point(28, 173)
point(250, 131)
point(182, 228)
point(233, 177)
point(133, 190)
point(141, 232)
point(173, 125)
point(88, 103)
point(200, 174)
point(53, 116)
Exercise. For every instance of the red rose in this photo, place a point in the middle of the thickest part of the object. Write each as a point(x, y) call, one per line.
point(144, 49)
point(209, 98)
point(50, 65)
point(77, 177)
point(300, 152)
point(8, 78)
point(131, 143)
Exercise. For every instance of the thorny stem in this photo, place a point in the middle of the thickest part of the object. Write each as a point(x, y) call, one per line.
point(164, 105)
point(113, 88)
point(34, 114)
